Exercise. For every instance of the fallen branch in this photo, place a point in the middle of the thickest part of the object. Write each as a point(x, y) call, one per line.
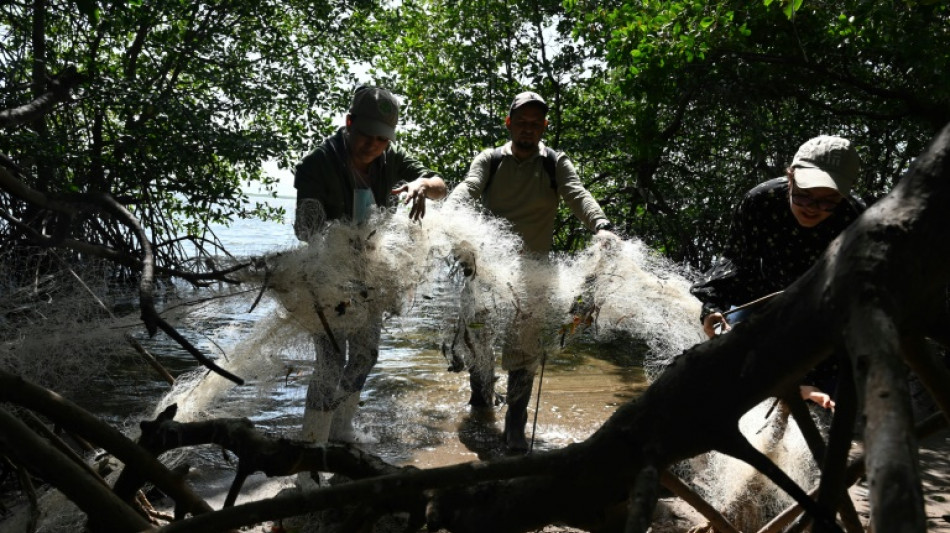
point(76, 420)
point(104, 509)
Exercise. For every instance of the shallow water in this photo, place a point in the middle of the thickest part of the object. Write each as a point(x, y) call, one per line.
point(412, 409)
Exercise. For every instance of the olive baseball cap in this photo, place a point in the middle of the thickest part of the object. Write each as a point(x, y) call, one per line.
point(375, 112)
point(526, 98)
point(826, 161)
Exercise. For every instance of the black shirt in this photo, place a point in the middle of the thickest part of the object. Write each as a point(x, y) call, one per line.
point(767, 248)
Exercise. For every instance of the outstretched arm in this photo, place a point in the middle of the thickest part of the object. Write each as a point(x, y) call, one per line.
point(420, 189)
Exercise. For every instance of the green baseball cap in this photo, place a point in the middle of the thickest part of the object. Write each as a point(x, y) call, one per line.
point(375, 112)
point(525, 98)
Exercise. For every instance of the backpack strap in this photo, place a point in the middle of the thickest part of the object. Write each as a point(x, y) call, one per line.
point(549, 163)
point(496, 156)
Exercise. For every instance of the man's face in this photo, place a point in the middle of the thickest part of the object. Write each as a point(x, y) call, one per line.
point(364, 149)
point(527, 125)
point(811, 207)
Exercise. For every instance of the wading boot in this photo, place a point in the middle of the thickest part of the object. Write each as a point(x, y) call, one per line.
point(519, 396)
point(341, 429)
point(316, 430)
point(316, 426)
point(483, 389)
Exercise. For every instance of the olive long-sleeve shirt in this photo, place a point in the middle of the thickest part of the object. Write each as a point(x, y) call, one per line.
point(521, 193)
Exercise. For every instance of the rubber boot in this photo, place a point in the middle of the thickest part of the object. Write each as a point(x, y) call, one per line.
point(316, 426)
point(342, 430)
point(483, 389)
point(315, 430)
point(519, 396)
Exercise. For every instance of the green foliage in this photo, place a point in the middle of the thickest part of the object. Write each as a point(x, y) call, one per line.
point(459, 64)
point(726, 92)
point(181, 102)
point(671, 110)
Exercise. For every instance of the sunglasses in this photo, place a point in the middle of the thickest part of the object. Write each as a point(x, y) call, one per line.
point(804, 200)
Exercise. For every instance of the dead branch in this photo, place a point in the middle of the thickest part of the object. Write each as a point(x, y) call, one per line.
point(102, 507)
point(853, 473)
point(256, 453)
point(683, 492)
point(76, 420)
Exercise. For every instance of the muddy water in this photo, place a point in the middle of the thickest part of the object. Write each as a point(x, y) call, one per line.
point(418, 411)
point(414, 411)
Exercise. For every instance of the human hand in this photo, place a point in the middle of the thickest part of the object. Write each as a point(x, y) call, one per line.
point(711, 321)
point(812, 393)
point(416, 194)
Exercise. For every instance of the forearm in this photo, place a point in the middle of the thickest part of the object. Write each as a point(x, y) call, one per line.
point(432, 186)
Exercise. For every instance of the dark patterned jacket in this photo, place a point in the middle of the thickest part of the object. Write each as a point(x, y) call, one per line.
point(767, 250)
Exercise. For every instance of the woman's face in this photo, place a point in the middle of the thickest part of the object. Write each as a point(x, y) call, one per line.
point(364, 149)
point(811, 207)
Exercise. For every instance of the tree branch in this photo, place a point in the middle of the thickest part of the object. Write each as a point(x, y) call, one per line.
point(59, 91)
point(102, 507)
point(76, 420)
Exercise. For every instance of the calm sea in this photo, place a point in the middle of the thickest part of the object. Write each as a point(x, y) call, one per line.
point(255, 237)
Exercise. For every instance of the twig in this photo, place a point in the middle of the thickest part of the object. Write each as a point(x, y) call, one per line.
point(26, 485)
point(688, 495)
point(148, 357)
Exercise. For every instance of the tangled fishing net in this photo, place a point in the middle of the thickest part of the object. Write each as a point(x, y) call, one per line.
point(347, 273)
point(59, 336)
point(615, 288)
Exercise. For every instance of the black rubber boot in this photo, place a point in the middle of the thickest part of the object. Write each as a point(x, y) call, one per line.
point(519, 396)
point(483, 389)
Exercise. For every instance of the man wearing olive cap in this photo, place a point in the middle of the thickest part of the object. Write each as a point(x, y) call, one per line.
point(523, 182)
point(345, 178)
point(778, 231)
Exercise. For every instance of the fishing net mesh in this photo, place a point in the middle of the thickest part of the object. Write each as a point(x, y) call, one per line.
point(345, 273)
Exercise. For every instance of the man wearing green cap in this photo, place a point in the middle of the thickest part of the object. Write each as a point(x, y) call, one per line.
point(345, 178)
point(778, 231)
point(523, 182)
